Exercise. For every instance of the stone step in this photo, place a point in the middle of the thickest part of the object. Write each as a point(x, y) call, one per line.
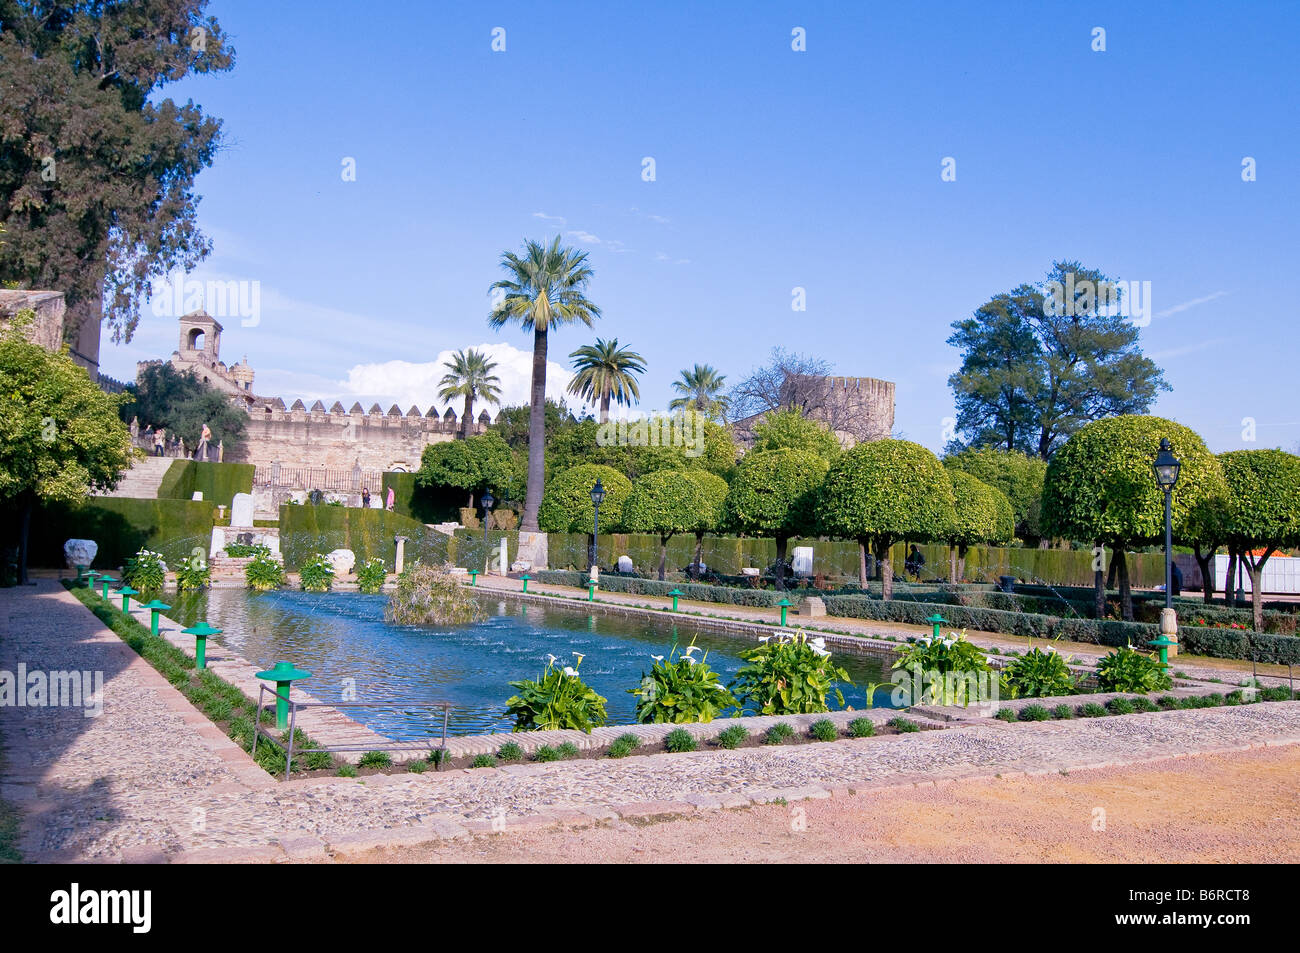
point(142, 480)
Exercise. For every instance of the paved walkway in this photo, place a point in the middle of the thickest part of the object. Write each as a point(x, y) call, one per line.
point(151, 779)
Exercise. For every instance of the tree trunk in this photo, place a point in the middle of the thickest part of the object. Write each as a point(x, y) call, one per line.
point(699, 554)
point(604, 407)
point(862, 563)
point(1110, 572)
point(1230, 580)
point(780, 561)
point(1099, 588)
point(1255, 568)
point(468, 418)
point(886, 570)
point(1206, 564)
point(952, 565)
point(470, 504)
point(961, 562)
point(536, 433)
point(663, 555)
point(1125, 591)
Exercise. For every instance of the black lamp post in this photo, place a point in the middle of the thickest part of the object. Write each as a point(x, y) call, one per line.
point(487, 500)
point(1167, 467)
point(597, 497)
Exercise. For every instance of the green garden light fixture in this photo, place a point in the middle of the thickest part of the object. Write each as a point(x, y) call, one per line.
point(106, 581)
point(473, 577)
point(201, 633)
point(676, 594)
point(81, 573)
point(785, 605)
point(487, 500)
point(937, 620)
point(126, 592)
point(1163, 643)
point(90, 578)
point(525, 577)
point(284, 674)
point(155, 607)
point(591, 590)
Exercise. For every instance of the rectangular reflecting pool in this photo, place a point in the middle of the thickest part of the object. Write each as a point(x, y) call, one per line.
point(343, 640)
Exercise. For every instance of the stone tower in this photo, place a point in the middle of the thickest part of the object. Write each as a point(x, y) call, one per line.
point(200, 338)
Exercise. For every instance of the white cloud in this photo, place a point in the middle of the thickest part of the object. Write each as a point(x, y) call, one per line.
point(1189, 304)
point(582, 236)
point(551, 218)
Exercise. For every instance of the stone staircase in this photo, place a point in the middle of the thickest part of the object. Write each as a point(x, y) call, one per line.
point(141, 482)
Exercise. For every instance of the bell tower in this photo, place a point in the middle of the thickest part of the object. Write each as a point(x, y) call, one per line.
point(200, 338)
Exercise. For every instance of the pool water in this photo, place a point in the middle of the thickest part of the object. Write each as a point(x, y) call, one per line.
point(343, 640)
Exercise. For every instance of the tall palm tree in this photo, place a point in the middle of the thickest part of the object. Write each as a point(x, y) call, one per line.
point(699, 389)
point(544, 288)
point(606, 372)
point(469, 375)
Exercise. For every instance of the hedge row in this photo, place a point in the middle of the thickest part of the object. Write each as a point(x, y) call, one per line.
point(219, 482)
point(760, 598)
point(307, 529)
point(121, 526)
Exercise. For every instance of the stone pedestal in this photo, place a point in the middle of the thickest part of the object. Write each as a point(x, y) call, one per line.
point(1169, 628)
point(533, 549)
point(812, 607)
point(400, 559)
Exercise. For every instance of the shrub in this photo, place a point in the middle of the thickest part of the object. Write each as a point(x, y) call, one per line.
point(624, 745)
point(681, 690)
point(824, 730)
point(1039, 673)
point(371, 575)
point(439, 756)
point(347, 771)
point(733, 736)
point(264, 573)
point(546, 753)
point(1006, 714)
point(947, 671)
point(316, 574)
point(510, 752)
point(241, 550)
point(679, 740)
point(1126, 670)
point(862, 728)
point(1035, 713)
point(1144, 704)
point(1120, 706)
point(778, 734)
point(788, 676)
point(567, 749)
point(145, 571)
point(193, 572)
point(417, 767)
point(484, 761)
point(1091, 710)
point(1062, 712)
point(376, 759)
point(430, 595)
point(558, 699)
point(1167, 702)
point(903, 725)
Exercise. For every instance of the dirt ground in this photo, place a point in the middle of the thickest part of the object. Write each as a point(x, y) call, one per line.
point(1241, 807)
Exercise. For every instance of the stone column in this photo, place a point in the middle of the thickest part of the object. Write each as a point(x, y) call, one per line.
point(400, 560)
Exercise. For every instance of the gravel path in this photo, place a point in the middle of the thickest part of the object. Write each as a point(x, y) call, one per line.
point(150, 779)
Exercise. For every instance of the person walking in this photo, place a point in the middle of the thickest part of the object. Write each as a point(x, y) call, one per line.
point(159, 441)
point(201, 451)
point(392, 499)
point(365, 497)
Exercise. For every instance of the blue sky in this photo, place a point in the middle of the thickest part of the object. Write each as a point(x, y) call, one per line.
point(775, 169)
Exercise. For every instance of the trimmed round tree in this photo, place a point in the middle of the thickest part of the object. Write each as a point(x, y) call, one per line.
point(481, 462)
point(884, 492)
point(1263, 511)
point(1018, 475)
point(983, 515)
point(566, 504)
point(774, 493)
point(664, 503)
point(1100, 488)
point(713, 504)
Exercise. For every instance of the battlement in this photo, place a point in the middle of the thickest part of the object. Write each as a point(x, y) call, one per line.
point(430, 421)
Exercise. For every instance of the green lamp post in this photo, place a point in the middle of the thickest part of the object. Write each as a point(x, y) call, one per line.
point(155, 607)
point(90, 578)
point(106, 581)
point(201, 633)
point(677, 594)
point(284, 674)
point(591, 590)
point(81, 573)
point(126, 592)
point(785, 605)
point(473, 577)
point(937, 620)
point(525, 577)
point(1163, 643)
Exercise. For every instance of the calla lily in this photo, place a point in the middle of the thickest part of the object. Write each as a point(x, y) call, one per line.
point(552, 659)
point(819, 642)
point(570, 670)
point(689, 649)
point(689, 659)
point(764, 638)
point(822, 653)
point(657, 658)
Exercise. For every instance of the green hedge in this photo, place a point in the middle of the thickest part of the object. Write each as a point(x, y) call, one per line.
point(307, 529)
point(219, 482)
point(762, 598)
point(121, 526)
point(417, 502)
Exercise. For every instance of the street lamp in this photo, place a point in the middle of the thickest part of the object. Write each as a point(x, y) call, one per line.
point(487, 501)
point(597, 497)
point(1167, 467)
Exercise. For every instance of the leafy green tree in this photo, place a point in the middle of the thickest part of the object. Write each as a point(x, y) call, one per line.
point(481, 462)
point(664, 503)
point(884, 492)
point(97, 168)
point(545, 288)
point(567, 507)
point(790, 430)
point(774, 493)
point(60, 435)
point(469, 375)
point(1100, 488)
point(713, 491)
point(1018, 475)
point(1040, 361)
point(700, 388)
point(162, 396)
point(606, 372)
point(983, 516)
point(513, 423)
point(585, 441)
point(1263, 513)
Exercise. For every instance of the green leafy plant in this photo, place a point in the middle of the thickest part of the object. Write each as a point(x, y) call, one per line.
point(1091, 710)
point(242, 550)
point(903, 725)
point(1006, 714)
point(483, 761)
point(1144, 704)
point(431, 595)
point(417, 767)
point(733, 736)
point(376, 759)
point(145, 571)
point(1039, 673)
point(510, 752)
point(371, 575)
point(1062, 712)
point(824, 730)
point(546, 753)
point(862, 728)
point(316, 574)
point(680, 689)
point(566, 750)
point(951, 671)
point(1127, 670)
point(679, 740)
point(193, 572)
point(778, 734)
point(788, 676)
point(1035, 713)
point(1120, 706)
point(347, 771)
point(624, 745)
point(263, 572)
point(558, 699)
point(439, 756)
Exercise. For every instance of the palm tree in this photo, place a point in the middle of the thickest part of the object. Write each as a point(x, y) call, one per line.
point(469, 375)
point(699, 389)
point(545, 288)
point(605, 373)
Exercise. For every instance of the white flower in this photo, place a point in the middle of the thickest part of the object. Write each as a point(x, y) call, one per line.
point(689, 659)
point(657, 658)
point(570, 670)
point(819, 642)
point(551, 659)
point(820, 652)
point(580, 657)
point(948, 643)
point(689, 649)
